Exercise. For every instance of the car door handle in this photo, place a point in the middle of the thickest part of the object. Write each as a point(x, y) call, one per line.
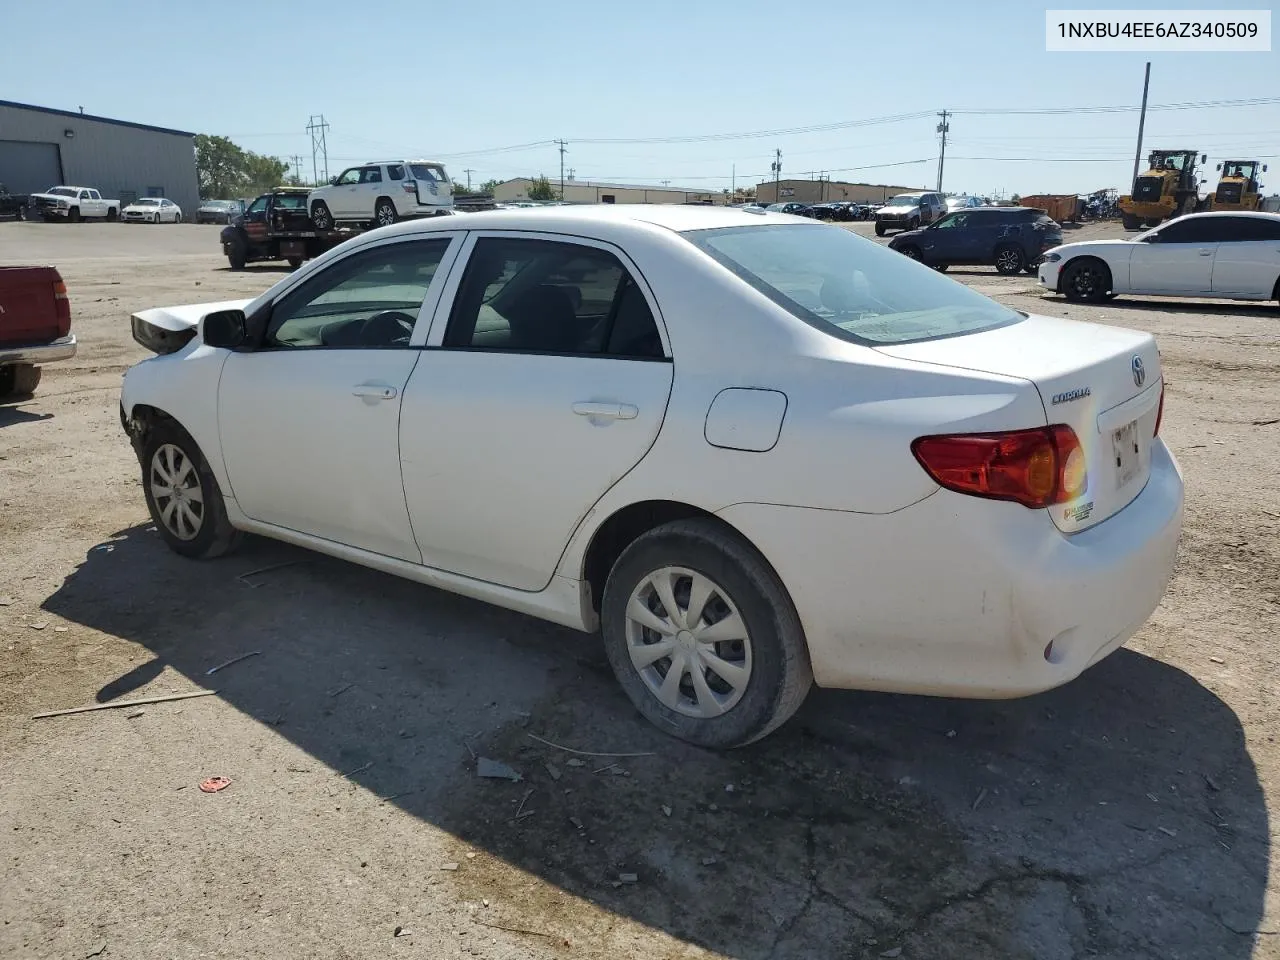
point(374, 391)
point(610, 411)
point(1206, 253)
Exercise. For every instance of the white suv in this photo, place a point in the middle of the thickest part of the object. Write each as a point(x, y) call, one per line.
point(381, 193)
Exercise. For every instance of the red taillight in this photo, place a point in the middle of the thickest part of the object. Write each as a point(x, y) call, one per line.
point(410, 186)
point(1036, 468)
point(61, 302)
point(1159, 411)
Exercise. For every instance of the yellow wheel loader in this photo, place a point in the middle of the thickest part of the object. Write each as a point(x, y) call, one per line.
point(1169, 188)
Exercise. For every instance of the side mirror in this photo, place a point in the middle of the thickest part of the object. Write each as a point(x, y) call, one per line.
point(1204, 158)
point(1218, 167)
point(225, 329)
point(333, 181)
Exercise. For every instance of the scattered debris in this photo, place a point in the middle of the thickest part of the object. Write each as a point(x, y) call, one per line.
point(397, 796)
point(471, 855)
point(8, 602)
point(728, 788)
point(214, 784)
point(1209, 781)
point(712, 807)
point(485, 902)
point(708, 861)
point(1153, 798)
point(222, 666)
point(609, 766)
point(115, 704)
point(98, 952)
point(588, 753)
point(576, 822)
point(666, 810)
point(525, 930)
point(452, 866)
point(401, 932)
point(468, 746)
point(352, 773)
point(982, 795)
point(342, 689)
point(523, 800)
point(628, 878)
point(59, 629)
point(1216, 660)
point(951, 734)
point(1167, 832)
point(1264, 423)
point(495, 770)
point(890, 954)
point(38, 625)
point(244, 577)
point(553, 770)
point(576, 763)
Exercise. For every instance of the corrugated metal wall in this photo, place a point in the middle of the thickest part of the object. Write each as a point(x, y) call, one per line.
point(121, 161)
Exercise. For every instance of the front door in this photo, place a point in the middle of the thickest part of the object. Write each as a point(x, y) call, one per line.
point(342, 198)
point(944, 242)
point(548, 385)
point(1248, 259)
point(1176, 258)
point(309, 420)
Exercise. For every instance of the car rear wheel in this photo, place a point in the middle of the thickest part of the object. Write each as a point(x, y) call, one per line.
point(1086, 280)
point(182, 494)
point(18, 380)
point(384, 214)
point(702, 635)
point(237, 255)
point(295, 262)
point(321, 216)
point(1010, 260)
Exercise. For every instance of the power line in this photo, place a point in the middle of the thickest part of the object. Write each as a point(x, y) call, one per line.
point(319, 145)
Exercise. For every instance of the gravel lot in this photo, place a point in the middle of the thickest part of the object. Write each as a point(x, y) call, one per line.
point(1127, 815)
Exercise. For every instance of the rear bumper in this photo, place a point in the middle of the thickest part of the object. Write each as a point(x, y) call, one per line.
point(958, 596)
point(63, 348)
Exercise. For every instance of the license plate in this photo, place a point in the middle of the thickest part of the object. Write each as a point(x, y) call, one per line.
point(1126, 445)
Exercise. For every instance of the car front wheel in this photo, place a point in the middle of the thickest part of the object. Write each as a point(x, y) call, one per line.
point(182, 494)
point(321, 216)
point(1087, 280)
point(702, 635)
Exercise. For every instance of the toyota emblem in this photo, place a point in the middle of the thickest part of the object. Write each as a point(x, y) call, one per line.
point(1139, 372)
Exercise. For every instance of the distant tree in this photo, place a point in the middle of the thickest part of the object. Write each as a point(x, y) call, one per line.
point(1016, 198)
point(489, 186)
point(541, 189)
point(226, 170)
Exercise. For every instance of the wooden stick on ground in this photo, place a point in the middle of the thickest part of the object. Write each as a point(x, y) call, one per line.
point(114, 704)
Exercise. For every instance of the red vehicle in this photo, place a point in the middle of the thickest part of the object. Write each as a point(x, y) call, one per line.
point(35, 326)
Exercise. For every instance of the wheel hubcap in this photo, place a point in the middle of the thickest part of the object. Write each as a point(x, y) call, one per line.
point(386, 215)
point(688, 642)
point(1084, 282)
point(175, 489)
point(1008, 260)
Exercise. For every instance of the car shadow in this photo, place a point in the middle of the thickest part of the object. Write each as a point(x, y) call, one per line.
point(11, 413)
point(1263, 310)
point(258, 268)
point(1118, 816)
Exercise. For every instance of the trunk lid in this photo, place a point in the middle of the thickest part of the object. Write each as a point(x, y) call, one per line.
point(1103, 382)
point(29, 302)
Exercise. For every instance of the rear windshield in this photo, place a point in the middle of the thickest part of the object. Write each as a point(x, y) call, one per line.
point(848, 286)
point(427, 171)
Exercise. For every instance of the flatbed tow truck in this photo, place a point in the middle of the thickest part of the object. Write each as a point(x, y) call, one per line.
point(276, 226)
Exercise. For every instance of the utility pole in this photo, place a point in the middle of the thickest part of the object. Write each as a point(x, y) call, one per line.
point(943, 128)
point(1142, 119)
point(468, 172)
point(776, 167)
point(318, 128)
point(563, 145)
point(734, 181)
point(297, 167)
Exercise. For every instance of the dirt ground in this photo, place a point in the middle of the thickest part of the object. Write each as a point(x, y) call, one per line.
point(1126, 815)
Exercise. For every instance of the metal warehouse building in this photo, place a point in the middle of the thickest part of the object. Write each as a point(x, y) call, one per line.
point(821, 191)
point(42, 148)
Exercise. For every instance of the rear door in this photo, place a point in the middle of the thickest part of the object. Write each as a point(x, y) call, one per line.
point(1247, 263)
point(1174, 258)
point(547, 386)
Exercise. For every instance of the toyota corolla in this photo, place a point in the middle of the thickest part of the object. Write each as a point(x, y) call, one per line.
point(753, 451)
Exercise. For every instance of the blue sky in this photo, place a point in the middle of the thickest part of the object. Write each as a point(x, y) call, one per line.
point(453, 82)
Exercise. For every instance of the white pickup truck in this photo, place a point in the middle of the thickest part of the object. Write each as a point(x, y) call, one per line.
point(74, 204)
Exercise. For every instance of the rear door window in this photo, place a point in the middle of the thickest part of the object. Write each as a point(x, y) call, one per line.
point(395, 171)
point(1237, 229)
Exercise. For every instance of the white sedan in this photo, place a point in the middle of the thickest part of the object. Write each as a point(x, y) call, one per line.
point(152, 210)
point(1228, 256)
point(753, 451)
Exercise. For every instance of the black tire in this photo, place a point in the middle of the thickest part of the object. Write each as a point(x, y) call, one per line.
point(295, 262)
point(155, 218)
point(238, 255)
point(1129, 221)
point(74, 215)
point(780, 672)
point(940, 267)
point(1009, 260)
point(21, 214)
point(914, 224)
point(320, 216)
point(112, 216)
point(18, 380)
point(214, 534)
point(1086, 280)
point(177, 218)
point(384, 213)
point(879, 229)
point(1032, 268)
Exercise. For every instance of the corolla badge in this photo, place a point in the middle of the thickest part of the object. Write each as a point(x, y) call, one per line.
point(1139, 372)
point(1067, 396)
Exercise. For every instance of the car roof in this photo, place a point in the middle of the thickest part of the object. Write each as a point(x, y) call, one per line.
point(1252, 214)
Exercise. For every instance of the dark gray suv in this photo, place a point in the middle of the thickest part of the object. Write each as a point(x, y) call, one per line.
point(1010, 239)
point(907, 211)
